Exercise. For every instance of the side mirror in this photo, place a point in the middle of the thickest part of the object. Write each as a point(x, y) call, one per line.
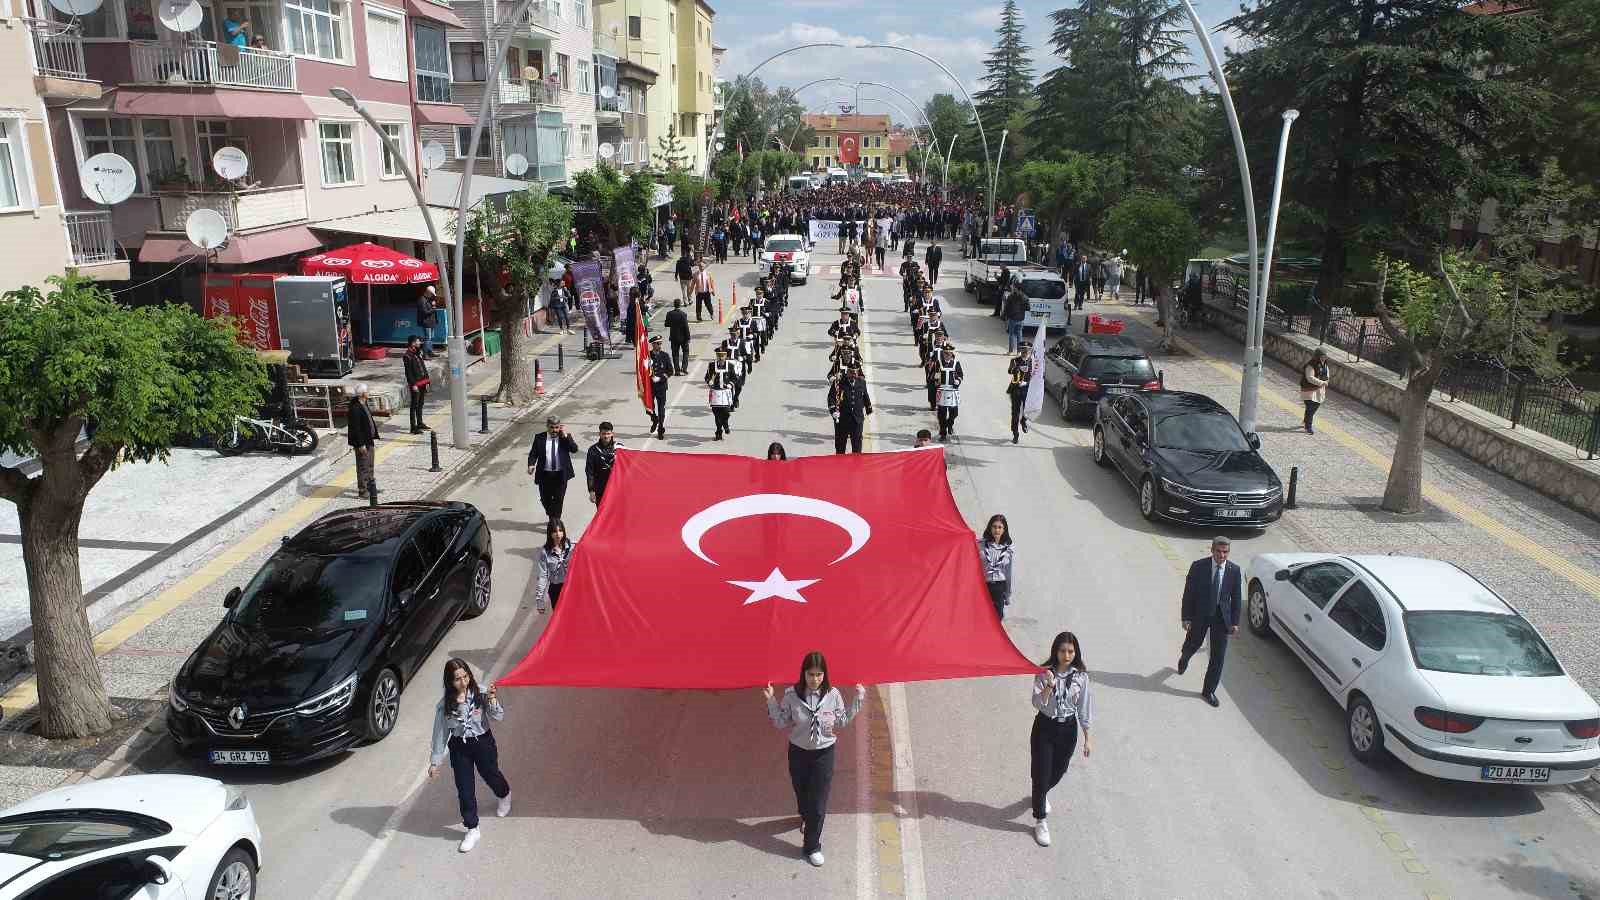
point(162, 870)
point(1254, 440)
point(1281, 575)
point(404, 597)
point(232, 599)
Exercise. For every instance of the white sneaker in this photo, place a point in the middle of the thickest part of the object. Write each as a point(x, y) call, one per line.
point(471, 840)
point(503, 809)
point(1041, 833)
point(814, 858)
point(1046, 806)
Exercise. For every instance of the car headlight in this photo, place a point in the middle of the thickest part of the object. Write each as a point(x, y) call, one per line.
point(332, 700)
point(1173, 487)
point(176, 699)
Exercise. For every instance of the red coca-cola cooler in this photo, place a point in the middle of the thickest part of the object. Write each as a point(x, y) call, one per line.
point(249, 299)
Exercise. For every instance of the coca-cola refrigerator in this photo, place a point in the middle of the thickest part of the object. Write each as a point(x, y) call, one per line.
point(250, 300)
point(314, 319)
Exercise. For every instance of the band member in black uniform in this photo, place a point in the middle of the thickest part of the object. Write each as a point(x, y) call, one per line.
point(845, 326)
point(908, 281)
point(660, 365)
point(948, 375)
point(758, 327)
point(844, 356)
point(737, 349)
point(849, 405)
point(730, 350)
point(598, 461)
point(747, 337)
point(722, 378)
point(1021, 371)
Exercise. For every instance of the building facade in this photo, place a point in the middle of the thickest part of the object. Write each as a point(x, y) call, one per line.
point(672, 39)
point(849, 141)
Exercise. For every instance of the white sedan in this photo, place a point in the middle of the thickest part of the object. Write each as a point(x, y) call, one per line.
point(790, 249)
point(139, 837)
point(1430, 665)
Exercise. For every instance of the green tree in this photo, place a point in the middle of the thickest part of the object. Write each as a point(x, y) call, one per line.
point(625, 204)
point(1568, 66)
point(1160, 237)
point(966, 176)
point(952, 118)
point(72, 356)
point(1008, 83)
point(1074, 189)
point(672, 155)
point(727, 172)
point(512, 251)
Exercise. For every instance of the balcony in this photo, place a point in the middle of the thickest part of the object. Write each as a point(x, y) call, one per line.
point(607, 44)
point(534, 93)
point(58, 68)
point(94, 246)
point(196, 63)
point(244, 210)
point(541, 19)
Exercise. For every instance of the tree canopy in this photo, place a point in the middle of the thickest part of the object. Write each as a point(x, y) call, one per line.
point(626, 204)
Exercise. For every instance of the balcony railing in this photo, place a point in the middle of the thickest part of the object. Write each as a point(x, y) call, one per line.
point(91, 237)
point(539, 15)
point(532, 92)
point(57, 50)
point(196, 63)
point(607, 44)
point(243, 210)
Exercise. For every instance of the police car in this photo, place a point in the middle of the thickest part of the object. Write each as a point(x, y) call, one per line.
point(787, 249)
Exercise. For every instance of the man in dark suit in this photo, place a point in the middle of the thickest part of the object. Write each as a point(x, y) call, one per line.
point(678, 329)
point(934, 259)
point(849, 404)
point(550, 464)
point(660, 366)
point(1213, 600)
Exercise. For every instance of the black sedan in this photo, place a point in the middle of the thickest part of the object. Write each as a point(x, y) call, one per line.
point(312, 654)
point(1188, 458)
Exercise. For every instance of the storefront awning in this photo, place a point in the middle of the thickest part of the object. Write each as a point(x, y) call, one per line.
point(211, 104)
point(435, 12)
point(240, 249)
point(402, 224)
point(443, 114)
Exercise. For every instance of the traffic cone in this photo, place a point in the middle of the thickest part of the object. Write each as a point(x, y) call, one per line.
point(538, 380)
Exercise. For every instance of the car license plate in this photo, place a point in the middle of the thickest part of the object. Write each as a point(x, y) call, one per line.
point(240, 757)
point(1516, 773)
point(1233, 513)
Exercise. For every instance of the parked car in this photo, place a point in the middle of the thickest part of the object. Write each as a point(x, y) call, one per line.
point(791, 249)
point(154, 837)
point(1080, 369)
point(313, 653)
point(1188, 458)
point(1047, 298)
point(1429, 665)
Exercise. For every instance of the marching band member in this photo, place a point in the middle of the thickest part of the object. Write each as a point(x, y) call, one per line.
point(1021, 371)
point(659, 365)
point(845, 326)
point(722, 380)
point(849, 403)
point(948, 375)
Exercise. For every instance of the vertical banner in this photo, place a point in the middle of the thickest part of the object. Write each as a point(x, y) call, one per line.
point(641, 366)
point(587, 282)
point(1033, 404)
point(626, 275)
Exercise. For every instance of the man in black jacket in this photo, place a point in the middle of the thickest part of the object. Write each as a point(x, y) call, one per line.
point(678, 330)
point(598, 462)
point(660, 366)
point(849, 405)
point(416, 381)
point(362, 431)
point(1213, 598)
point(426, 318)
point(550, 464)
point(934, 258)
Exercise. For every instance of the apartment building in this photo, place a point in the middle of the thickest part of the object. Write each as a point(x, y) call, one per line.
point(672, 40)
point(849, 141)
point(696, 79)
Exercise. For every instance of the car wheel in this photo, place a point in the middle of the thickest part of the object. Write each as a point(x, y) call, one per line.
point(1363, 731)
point(1147, 499)
point(478, 600)
point(383, 706)
point(1256, 611)
point(235, 878)
point(1100, 458)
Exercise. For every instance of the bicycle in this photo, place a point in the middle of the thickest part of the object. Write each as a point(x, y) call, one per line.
point(261, 434)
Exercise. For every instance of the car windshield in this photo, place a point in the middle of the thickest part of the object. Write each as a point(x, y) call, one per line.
point(787, 245)
point(313, 591)
point(1199, 431)
point(1119, 369)
point(1044, 289)
point(1475, 643)
point(63, 835)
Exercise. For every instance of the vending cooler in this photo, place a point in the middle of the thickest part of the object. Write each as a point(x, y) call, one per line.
point(249, 300)
point(314, 318)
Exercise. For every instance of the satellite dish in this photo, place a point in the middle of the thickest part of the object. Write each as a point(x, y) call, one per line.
point(76, 7)
point(206, 229)
point(607, 151)
point(720, 145)
point(529, 73)
point(516, 164)
point(433, 154)
point(107, 178)
point(230, 162)
point(180, 15)
point(607, 91)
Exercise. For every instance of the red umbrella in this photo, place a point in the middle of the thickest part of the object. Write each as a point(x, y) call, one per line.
point(368, 263)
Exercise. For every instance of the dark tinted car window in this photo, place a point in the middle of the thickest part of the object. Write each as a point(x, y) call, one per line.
point(433, 537)
point(65, 835)
point(1138, 420)
point(1199, 431)
point(1471, 643)
point(1044, 289)
point(308, 590)
point(1319, 582)
point(1119, 368)
point(1358, 613)
point(409, 568)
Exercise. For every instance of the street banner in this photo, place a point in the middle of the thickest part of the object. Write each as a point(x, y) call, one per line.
point(626, 277)
point(1033, 404)
point(641, 367)
point(590, 288)
point(828, 230)
point(849, 148)
point(736, 567)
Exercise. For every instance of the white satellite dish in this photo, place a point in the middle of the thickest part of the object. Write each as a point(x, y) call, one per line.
point(607, 151)
point(76, 7)
point(230, 162)
point(107, 178)
point(432, 155)
point(529, 73)
point(206, 229)
point(607, 91)
point(516, 164)
point(180, 15)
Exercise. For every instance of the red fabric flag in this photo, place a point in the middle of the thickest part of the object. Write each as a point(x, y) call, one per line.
point(641, 371)
point(719, 572)
point(849, 148)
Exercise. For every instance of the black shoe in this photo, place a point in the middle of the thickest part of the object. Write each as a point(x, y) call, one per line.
point(717, 436)
point(1211, 699)
point(661, 432)
point(1183, 665)
point(1024, 425)
point(1014, 437)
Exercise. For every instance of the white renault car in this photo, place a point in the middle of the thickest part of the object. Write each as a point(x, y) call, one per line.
point(1430, 665)
point(150, 837)
point(790, 249)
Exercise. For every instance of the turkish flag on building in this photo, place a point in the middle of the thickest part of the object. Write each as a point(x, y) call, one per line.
point(716, 572)
point(849, 148)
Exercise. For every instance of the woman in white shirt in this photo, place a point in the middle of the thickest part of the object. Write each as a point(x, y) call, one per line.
point(554, 559)
point(810, 710)
point(1061, 695)
point(999, 562)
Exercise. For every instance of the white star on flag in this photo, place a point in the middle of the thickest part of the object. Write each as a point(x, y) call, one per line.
point(775, 586)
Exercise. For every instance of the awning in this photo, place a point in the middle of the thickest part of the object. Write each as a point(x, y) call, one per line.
point(369, 263)
point(444, 187)
point(240, 249)
point(403, 224)
point(212, 104)
point(434, 11)
point(443, 114)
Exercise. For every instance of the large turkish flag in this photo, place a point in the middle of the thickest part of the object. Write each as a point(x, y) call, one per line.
point(849, 149)
point(707, 571)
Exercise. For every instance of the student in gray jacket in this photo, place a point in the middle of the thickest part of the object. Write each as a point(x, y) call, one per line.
point(461, 733)
point(999, 562)
point(554, 559)
point(810, 710)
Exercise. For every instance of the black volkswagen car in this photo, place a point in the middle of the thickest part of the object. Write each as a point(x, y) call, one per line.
point(312, 654)
point(1188, 458)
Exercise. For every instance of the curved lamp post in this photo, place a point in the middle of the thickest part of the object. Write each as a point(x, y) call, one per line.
point(896, 107)
point(796, 94)
point(933, 135)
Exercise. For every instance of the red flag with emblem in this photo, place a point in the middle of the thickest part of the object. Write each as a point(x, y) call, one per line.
point(849, 149)
point(641, 369)
point(736, 567)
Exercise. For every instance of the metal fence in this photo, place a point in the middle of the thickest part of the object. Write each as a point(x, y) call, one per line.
point(199, 62)
point(57, 50)
point(91, 237)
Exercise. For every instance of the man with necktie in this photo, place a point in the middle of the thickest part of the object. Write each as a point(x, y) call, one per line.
point(550, 464)
point(1213, 600)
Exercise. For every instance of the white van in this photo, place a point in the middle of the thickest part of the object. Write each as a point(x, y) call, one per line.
point(1047, 298)
point(838, 176)
point(798, 183)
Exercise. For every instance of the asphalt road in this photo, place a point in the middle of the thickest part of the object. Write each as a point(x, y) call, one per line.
point(678, 793)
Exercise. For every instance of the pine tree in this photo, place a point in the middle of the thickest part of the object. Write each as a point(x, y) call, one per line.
point(1008, 82)
point(673, 155)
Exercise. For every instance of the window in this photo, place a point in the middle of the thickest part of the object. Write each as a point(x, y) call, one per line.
point(586, 140)
point(316, 27)
point(464, 142)
point(635, 28)
point(160, 148)
point(627, 151)
point(555, 7)
point(467, 61)
point(564, 69)
point(391, 164)
point(103, 135)
point(386, 48)
point(585, 78)
point(566, 141)
point(433, 63)
point(102, 23)
point(13, 166)
point(686, 125)
point(337, 140)
point(827, 141)
point(512, 70)
point(1478, 643)
point(1358, 612)
point(51, 837)
point(580, 13)
point(1321, 581)
point(140, 19)
point(212, 135)
point(262, 16)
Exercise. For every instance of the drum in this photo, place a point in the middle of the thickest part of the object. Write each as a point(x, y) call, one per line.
point(949, 396)
point(761, 323)
point(852, 299)
point(748, 346)
point(722, 396)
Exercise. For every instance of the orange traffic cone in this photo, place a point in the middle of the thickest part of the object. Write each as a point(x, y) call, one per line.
point(538, 380)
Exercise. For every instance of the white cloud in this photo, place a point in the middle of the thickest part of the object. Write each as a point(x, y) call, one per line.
point(983, 17)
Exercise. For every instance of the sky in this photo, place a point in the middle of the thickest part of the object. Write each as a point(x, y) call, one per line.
point(958, 34)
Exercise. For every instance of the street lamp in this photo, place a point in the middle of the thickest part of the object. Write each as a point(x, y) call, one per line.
point(934, 135)
point(994, 176)
point(902, 112)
